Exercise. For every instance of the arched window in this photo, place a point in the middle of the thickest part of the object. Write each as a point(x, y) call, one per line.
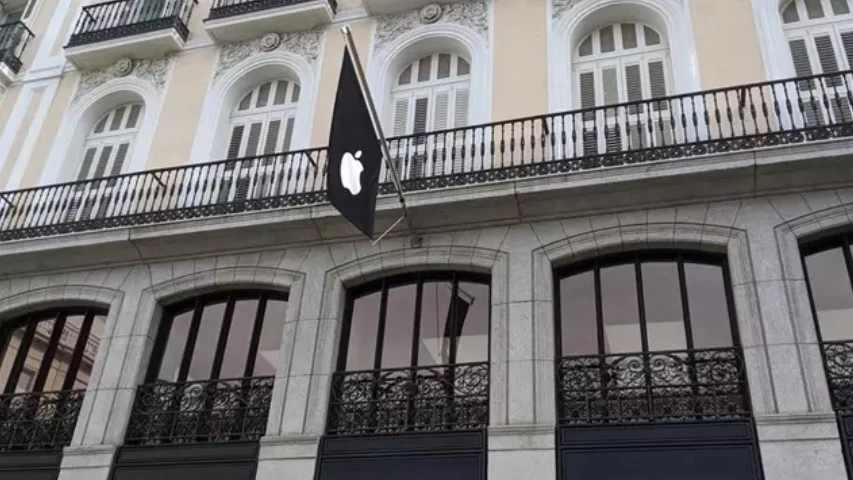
point(431, 93)
point(619, 63)
point(110, 142)
point(829, 270)
point(410, 336)
point(820, 37)
point(262, 122)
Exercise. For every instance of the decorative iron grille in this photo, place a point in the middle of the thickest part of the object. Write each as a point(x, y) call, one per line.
point(199, 412)
point(230, 8)
point(38, 421)
point(123, 18)
point(672, 386)
point(838, 358)
point(745, 117)
point(13, 40)
point(419, 399)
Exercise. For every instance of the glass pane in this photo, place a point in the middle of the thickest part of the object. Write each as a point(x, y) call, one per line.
point(101, 125)
point(399, 327)
point(790, 14)
point(263, 95)
point(239, 337)
point(608, 43)
point(280, 92)
point(619, 309)
point(629, 36)
point(206, 342)
point(585, 48)
point(611, 86)
point(462, 66)
point(9, 355)
point(443, 65)
point(472, 314)
point(662, 302)
point(709, 313)
point(652, 37)
point(295, 96)
point(832, 294)
point(117, 119)
point(577, 315)
point(174, 352)
point(246, 102)
point(434, 344)
point(814, 8)
point(269, 347)
point(38, 348)
point(64, 353)
point(406, 76)
point(840, 7)
point(424, 66)
point(96, 333)
point(364, 327)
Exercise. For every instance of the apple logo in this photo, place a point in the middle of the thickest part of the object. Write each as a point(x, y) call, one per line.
point(351, 169)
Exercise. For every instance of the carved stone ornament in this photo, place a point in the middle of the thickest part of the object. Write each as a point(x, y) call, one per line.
point(560, 6)
point(270, 42)
point(153, 71)
point(305, 44)
point(123, 67)
point(473, 14)
point(431, 13)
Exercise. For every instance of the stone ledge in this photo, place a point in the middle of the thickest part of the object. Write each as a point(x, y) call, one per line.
point(522, 437)
point(288, 447)
point(88, 456)
point(797, 427)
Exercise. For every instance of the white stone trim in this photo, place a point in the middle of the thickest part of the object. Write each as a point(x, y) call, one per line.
point(64, 160)
point(388, 61)
point(670, 17)
point(49, 88)
point(211, 134)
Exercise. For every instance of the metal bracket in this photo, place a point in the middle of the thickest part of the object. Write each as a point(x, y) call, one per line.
point(8, 202)
point(157, 177)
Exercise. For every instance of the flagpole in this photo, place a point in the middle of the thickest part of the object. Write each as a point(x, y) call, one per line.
point(374, 119)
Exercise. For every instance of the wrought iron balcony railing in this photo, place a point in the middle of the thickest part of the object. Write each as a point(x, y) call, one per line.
point(745, 117)
point(417, 399)
point(673, 386)
point(123, 18)
point(838, 362)
point(38, 421)
point(13, 40)
point(202, 411)
point(230, 8)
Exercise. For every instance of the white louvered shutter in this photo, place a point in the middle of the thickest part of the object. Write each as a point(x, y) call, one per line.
point(587, 97)
point(441, 111)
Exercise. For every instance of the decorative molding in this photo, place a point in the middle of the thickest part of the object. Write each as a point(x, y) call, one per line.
point(473, 14)
point(153, 71)
point(560, 6)
point(431, 13)
point(305, 44)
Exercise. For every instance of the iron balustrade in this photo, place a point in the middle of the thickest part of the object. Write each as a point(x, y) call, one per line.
point(230, 8)
point(123, 18)
point(200, 411)
point(38, 420)
point(14, 38)
point(838, 362)
point(419, 399)
point(672, 386)
point(791, 111)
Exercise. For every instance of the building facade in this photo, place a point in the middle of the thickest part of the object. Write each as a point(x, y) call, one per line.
point(632, 255)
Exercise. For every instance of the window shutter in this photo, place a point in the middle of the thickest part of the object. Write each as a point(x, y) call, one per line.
point(254, 139)
point(421, 111)
point(587, 87)
point(634, 87)
point(118, 163)
point(826, 57)
point(86, 167)
point(440, 110)
point(271, 142)
point(288, 133)
point(460, 114)
point(401, 116)
point(103, 160)
point(847, 43)
point(802, 63)
point(234, 143)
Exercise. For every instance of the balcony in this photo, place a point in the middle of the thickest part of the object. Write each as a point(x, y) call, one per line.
point(13, 40)
point(38, 421)
point(138, 29)
point(590, 154)
point(238, 20)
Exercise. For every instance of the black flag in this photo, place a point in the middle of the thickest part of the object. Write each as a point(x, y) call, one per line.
point(355, 156)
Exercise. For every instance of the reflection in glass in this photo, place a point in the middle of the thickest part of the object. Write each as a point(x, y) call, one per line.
point(206, 341)
point(472, 313)
point(171, 363)
point(434, 344)
point(266, 360)
point(709, 312)
point(832, 294)
point(619, 309)
point(662, 301)
point(9, 354)
point(363, 331)
point(577, 311)
point(399, 326)
point(239, 339)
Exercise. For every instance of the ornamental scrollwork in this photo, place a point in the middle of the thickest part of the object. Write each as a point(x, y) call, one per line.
point(472, 14)
point(40, 420)
point(154, 71)
point(306, 44)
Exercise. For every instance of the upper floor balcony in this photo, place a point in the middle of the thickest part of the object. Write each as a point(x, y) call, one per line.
point(14, 37)
point(138, 29)
point(238, 20)
point(387, 7)
point(723, 142)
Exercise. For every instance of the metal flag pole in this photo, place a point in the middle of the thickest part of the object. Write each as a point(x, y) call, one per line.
point(374, 119)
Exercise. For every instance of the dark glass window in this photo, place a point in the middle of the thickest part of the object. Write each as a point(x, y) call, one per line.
point(649, 301)
point(220, 336)
point(417, 320)
point(50, 350)
point(829, 269)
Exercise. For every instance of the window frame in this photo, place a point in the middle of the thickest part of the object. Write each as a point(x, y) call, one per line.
point(196, 305)
point(111, 138)
point(637, 258)
point(383, 285)
point(844, 241)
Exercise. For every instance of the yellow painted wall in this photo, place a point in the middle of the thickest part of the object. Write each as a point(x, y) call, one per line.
point(23, 131)
point(50, 126)
point(330, 70)
point(181, 109)
point(196, 25)
point(38, 25)
point(520, 65)
point(7, 101)
point(65, 30)
point(727, 45)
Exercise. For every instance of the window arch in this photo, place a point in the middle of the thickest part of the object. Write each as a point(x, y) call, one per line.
point(262, 122)
point(431, 93)
point(110, 142)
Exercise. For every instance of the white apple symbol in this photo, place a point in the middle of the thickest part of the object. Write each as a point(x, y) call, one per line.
point(351, 169)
